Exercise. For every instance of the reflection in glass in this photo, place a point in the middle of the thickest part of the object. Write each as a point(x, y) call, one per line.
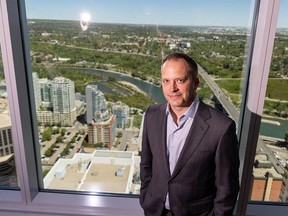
point(84, 22)
point(270, 173)
point(8, 175)
point(92, 85)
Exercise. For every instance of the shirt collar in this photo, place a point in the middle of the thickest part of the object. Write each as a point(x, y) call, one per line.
point(191, 111)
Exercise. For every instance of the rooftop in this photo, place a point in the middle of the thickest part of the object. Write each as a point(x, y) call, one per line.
point(5, 120)
point(264, 167)
point(101, 171)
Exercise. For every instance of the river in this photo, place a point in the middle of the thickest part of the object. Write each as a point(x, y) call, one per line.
point(152, 91)
point(155, 93)
point(272, 130)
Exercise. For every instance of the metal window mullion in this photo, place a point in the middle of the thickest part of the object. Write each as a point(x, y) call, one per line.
point(259, 68)
point(8, 67)
point(18, 97)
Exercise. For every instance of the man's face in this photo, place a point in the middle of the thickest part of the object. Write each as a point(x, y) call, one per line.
point(179, 88)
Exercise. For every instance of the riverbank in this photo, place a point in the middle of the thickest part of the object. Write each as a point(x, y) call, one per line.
point(271, 122)
point(150, 80)
point(133, 86)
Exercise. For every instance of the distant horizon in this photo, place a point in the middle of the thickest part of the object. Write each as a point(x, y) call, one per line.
point(143, 24)
point(178, 25)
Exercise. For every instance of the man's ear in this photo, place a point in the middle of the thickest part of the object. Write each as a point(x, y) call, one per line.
point(196, 81)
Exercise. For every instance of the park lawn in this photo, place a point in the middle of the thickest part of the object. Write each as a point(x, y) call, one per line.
point(231, 86)
point(236, 99)
point(269, 104)
point(204, 92)
point(277, 89)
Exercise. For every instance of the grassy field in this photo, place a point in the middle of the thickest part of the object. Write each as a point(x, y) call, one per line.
point(231, 86)
point(276, 89)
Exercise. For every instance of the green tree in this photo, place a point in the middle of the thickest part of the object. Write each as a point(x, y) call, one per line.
point(63, 131)
point(47, 134)
point(119, 134)
point(59, 139)
point(73, 139)
point(38, 60)
point(112, 79)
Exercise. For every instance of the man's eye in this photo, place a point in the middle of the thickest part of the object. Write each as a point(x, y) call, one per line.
point(180, 80)
point(165, 81)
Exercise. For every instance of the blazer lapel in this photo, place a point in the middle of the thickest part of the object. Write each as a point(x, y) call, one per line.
point(162, 138)
point(198, 130)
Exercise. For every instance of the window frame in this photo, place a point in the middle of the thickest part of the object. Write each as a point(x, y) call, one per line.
point(265, 25)
point(18, 76)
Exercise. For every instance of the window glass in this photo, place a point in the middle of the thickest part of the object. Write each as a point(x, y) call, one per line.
point(96, 68)
point(270, 173)
point(8, 175)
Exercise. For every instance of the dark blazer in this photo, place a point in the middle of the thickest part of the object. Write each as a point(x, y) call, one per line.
point(205, 180)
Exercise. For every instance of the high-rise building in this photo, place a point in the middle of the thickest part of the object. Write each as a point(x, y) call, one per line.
point(6, 143)
point(121, 112)
point(63, 100)
point(58, 101)
point(46, 93)
point(102, 132)
point(8, 176)
point(37, 92)
point(95, 102)
point(90, 91)
point(63, 95)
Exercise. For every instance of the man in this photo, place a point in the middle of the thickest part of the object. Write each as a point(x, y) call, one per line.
point(189, 159)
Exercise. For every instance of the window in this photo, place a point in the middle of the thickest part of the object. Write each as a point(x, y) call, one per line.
point(49, 98)
point(96, 69)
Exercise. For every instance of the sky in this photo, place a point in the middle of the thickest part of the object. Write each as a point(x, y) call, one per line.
point(156, 12)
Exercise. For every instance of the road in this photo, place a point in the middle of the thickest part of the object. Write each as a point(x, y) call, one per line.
point(221, 96)
point(234, 114)
point(61, 146)
point(126, 139)
point(47, 144)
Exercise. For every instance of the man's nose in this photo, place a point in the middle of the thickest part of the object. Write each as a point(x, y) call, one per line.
point(173, 86)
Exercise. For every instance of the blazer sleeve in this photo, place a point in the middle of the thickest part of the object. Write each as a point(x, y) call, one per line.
point(227, 172)
point(146, 161)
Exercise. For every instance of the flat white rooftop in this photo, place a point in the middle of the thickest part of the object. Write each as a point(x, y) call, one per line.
point(101, 171)
point(5, 120)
